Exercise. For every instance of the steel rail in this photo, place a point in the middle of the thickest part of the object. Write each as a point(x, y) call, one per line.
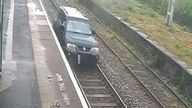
point(148, 68)
point(144, 64)
point(130, 70)
point(120, 101)
point(112, 88)
point(158, 101)
point(84, 95)
point(56, 5)
point(110, 85)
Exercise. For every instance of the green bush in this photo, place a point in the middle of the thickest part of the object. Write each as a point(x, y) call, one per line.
point(152, 13)
point(159, 6)
point(184, 7)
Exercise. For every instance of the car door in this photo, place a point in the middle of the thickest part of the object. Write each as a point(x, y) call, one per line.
point(61, 19)
point(60, 25)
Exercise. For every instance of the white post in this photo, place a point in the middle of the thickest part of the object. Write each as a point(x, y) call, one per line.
point(170, 12)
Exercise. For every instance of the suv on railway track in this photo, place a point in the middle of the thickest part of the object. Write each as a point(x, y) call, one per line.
point(77, 35)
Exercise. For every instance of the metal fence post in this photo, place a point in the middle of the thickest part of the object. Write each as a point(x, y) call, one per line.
point(1, 31)
point(170, 12)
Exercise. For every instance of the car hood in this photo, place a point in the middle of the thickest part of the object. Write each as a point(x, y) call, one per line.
point(81, 39)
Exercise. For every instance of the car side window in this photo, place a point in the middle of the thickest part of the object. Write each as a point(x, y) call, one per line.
point(61, 17)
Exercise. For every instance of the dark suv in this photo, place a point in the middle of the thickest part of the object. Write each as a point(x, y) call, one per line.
point(77, 34)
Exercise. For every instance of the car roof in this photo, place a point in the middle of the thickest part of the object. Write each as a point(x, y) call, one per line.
point(73, 12)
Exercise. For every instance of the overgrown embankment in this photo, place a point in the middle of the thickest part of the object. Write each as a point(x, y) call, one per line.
point(177, 38)
point(176, 73)
point(183, 9)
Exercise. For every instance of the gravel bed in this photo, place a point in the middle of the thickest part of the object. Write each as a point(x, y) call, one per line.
point(90, 77)
point(129, 89)
point(158, 89)
point(162, 92)
point(125, 84)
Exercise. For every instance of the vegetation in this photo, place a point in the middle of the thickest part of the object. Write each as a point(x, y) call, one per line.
point(154, 59)
point(183, 7)
point(159, 6)
point(148, 16)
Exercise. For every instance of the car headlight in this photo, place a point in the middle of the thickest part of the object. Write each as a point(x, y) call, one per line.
point(71, 47)
point(95, 51)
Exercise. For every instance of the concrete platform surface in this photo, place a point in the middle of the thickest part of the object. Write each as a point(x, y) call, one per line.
point(35, 71)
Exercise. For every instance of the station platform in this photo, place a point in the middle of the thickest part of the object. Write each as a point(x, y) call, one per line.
point(35, 71)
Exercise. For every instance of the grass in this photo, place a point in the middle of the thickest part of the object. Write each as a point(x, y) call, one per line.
point(176, 38)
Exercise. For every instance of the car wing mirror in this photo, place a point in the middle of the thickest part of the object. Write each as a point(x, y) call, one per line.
point(62, 27)
point(93, 32)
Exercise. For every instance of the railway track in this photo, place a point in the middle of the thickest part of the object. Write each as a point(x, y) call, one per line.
point(153, 84)
point(140, 70)
point(161, 94)
point(97, 88)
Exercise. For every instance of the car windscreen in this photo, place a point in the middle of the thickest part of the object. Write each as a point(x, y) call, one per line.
point(78, 26)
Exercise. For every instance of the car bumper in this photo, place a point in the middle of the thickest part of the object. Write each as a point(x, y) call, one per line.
point(85, 56)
